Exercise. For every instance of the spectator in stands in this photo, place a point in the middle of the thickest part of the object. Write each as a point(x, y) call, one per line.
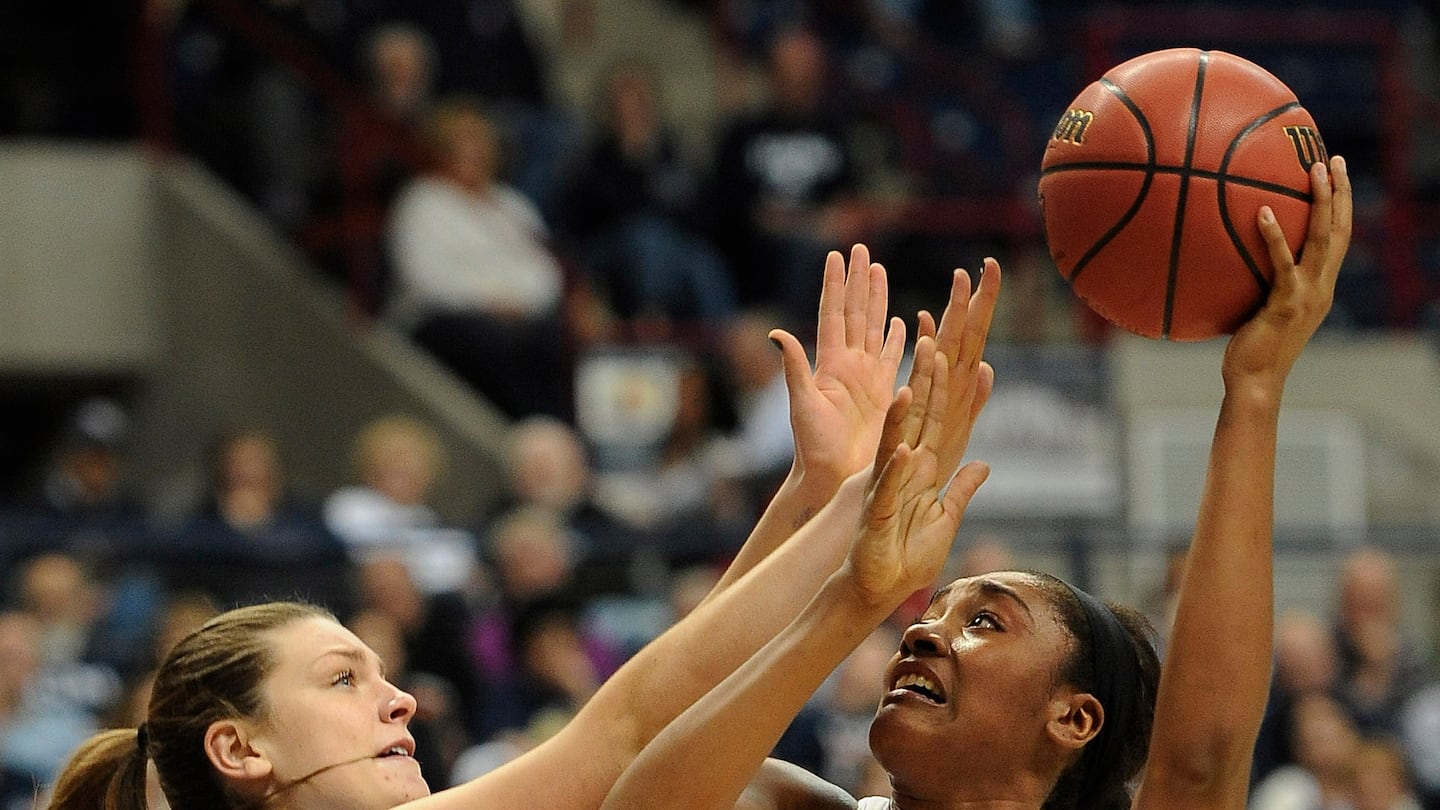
point(250, 539)
point(475, 282)
point(549, 468)
point(1323, 774)
point(688, 508)
point(484, 49)
point(534, 557)
point(400, 66)
point(783, 178)
point(39, 725)
point(759, 450)
point(846, 707)
point(65, 600)
point(1306, 662)
point(397, 460)
point(84, 507)
point(1380, 667)
point(633, 208)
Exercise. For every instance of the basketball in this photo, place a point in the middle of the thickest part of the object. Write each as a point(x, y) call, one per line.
point(1152, 181)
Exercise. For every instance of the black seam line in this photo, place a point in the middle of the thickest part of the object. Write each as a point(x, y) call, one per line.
point(1148, 166)
point(1250, 263)
point(1174, 271)
point(1198, 174)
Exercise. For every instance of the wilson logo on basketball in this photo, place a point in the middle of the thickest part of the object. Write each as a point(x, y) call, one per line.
point(1072, 126)
point(1309, 149)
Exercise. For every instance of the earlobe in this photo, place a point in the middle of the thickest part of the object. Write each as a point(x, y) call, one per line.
point(227, 746)
point(1076, 719)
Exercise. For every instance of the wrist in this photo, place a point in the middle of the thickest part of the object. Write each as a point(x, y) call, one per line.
point(811, 485)
point(843, 598)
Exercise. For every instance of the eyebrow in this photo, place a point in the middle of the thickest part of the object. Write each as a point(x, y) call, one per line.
point(939, 594)
point(354, 655)
point(995, 588)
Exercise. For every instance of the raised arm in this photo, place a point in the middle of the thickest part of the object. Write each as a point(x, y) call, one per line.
point(673, 671)
point(713, 750)
point(846, 394)
point(1216, 674)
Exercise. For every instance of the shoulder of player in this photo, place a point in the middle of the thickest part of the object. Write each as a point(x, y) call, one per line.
point(780, 785)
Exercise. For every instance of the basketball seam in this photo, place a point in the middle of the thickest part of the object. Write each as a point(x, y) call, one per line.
point(1124, 220)
point(1250, 262)
point(1199, 174)
point(1173, 274)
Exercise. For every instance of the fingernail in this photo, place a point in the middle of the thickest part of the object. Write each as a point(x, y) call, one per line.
point(1266, 215)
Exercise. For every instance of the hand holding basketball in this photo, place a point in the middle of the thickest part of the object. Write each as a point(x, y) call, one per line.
point(1152, 182)
point(1264, 349)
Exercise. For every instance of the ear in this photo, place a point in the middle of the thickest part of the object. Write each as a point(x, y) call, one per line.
point(227, 746)
point(1075, 719)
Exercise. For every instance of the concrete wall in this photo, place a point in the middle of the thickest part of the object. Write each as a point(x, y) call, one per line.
point(77, 293)
point(119, 266)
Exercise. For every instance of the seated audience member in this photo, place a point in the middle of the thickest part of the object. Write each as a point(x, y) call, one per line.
point(1306, 662)
point(549, 467)
point(1380, 667)
point(39, 725)
point(759, 450)
point(250, 539)
point(67, 603)
point(398, 459)
point(686, 506)
point(83, 506)
point(1322, 775)
point(633, 207)
point(783, 177)
point(475, 282)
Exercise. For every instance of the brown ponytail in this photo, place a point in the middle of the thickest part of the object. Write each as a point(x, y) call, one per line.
point(107, 772)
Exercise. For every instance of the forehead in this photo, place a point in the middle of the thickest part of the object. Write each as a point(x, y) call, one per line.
point(1025, 587)
point(304, 641)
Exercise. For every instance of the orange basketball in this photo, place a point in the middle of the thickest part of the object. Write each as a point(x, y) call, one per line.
point(1151, 183)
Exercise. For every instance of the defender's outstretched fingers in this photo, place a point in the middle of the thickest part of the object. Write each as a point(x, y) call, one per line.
point(830, 322)
point(857, 298)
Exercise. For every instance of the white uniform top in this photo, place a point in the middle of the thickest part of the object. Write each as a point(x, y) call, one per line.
point(874, 803)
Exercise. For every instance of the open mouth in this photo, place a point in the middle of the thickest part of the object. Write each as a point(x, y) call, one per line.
point(394, 751)
point(920, 685)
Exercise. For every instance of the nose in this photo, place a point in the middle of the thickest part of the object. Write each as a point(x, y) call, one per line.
point(921, 639)
point(400, 707)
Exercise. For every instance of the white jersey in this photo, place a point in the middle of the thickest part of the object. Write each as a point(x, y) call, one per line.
point(874, 803)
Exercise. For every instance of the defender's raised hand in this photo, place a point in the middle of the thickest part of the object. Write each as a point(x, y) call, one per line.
point(837, 409)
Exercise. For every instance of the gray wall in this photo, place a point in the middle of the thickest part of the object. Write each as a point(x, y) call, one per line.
point(118, 265)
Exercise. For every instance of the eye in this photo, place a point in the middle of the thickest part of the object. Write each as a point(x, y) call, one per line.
point(345, 677)
point(985, 619)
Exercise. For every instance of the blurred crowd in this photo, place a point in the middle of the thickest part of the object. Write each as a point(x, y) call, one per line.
point(609, 288)
point(505, 626)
